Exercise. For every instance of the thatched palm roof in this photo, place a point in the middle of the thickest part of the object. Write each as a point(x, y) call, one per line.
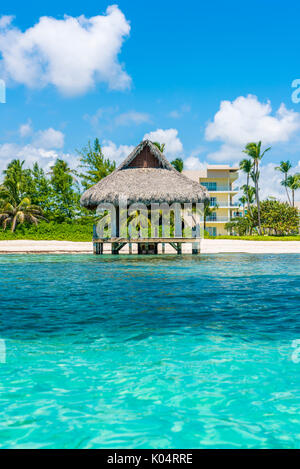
point(145, 184)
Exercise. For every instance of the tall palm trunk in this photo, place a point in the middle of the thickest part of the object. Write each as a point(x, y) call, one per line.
point(257, 197)
point(293, 197)
point(248, 199)
point(286, 188)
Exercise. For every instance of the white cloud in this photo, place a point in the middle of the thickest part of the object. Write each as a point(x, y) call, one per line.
point(117, 153)
point(72, 54)
point(49, 138)
point(193, 163)
point(43, 147)
point(132, 117)
point(169, 137)
point(177, 113)
point(5, 21)
point(246, 119)
point(227, 152)
point(30, 154)
point(25, 129)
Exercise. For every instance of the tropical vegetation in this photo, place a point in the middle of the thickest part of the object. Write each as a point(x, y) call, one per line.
point(45, 204)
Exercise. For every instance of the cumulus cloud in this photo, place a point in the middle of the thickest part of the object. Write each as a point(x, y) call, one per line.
point(73, 54)
point(193, 163)
point(246, 119)
point(25, 129)
point(5, 21)
point(43, 147)
point(132, 117)
point(170, 137)
point(30, 154)
point(49, 138)
point(116, 153)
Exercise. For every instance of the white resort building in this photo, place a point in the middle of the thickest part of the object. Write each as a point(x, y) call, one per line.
point(220, 183)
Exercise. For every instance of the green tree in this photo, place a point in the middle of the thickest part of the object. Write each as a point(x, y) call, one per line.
point(293, 183)
point(160, 146)
point(39, 189)
point(239, 226)
point(276, 217)
point(94, 165)
point(16, 180)
point(65, 203)
point(284, 168)
point(254, 151)
point(178, 164)
point(14, 213)
point(243, 201)
point(246, 166)
point(208, 211)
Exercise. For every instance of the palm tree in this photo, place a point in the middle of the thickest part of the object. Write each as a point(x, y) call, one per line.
point(284, 168)
point(254, 151)
point(246, 166)
point(243, 201)
point(14, 213)
point(293, 183)
point(160, 146)
point(178, 164)
point(251, 196)
point(15, 180)
point(208, 211)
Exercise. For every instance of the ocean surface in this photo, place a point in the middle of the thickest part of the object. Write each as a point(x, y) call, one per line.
point(150, 352)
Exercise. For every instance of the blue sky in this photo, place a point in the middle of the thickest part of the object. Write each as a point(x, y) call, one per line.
point(151, 68)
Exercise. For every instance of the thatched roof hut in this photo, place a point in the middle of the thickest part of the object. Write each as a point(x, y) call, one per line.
point(145, 176)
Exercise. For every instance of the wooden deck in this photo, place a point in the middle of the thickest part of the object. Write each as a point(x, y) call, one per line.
point(145, 245)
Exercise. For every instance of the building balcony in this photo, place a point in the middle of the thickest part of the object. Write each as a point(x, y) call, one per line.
point(219, 188)
point(217, 219)
point(224, 204)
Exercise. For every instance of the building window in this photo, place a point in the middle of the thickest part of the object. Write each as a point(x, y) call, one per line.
point(211, 186)
point(213, 201)
point(212, 230)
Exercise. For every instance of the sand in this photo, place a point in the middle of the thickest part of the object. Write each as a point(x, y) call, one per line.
point(208, 246)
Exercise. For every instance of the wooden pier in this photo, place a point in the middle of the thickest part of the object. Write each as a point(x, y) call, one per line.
point(145, 245)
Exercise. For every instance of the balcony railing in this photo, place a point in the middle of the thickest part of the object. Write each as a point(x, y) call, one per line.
point(218, 218)
point(224, 203)
point(220, 188)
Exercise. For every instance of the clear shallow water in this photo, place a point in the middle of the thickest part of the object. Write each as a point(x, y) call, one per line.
point(141, 352)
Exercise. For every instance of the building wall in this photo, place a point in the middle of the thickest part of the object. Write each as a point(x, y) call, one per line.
point(222, 193)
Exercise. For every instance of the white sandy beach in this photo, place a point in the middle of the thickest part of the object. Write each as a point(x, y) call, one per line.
point(208, 246)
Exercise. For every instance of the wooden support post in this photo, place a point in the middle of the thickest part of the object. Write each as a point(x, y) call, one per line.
point(117, 221)
point(113, 222)
point(178, 223)
point(98, 248)
point(196, 248)
point(163, 248)
point(196, 234)
point(179, 250)
point(114, 248)
point(130, 248)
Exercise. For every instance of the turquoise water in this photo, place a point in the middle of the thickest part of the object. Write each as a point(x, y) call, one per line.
point(141, 352)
